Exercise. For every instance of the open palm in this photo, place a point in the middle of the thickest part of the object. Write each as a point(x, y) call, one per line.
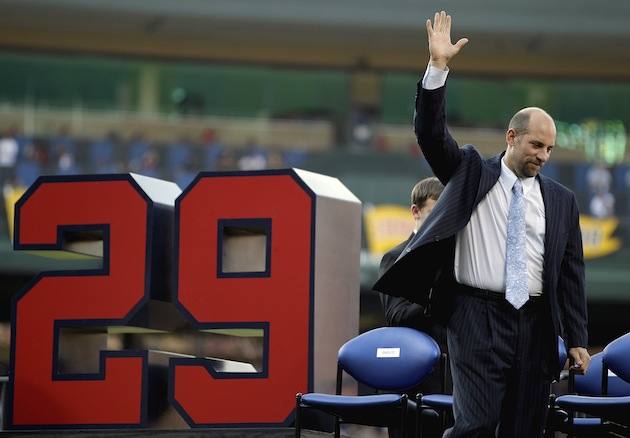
point(441, 48)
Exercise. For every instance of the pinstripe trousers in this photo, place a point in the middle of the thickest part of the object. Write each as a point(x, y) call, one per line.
point(500, 368)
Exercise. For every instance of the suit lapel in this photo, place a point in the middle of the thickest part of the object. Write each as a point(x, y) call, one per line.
point(551, 203)
point(552, 224)
point(490, 173)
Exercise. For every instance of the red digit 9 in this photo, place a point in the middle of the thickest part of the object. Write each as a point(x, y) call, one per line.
point(277, 299)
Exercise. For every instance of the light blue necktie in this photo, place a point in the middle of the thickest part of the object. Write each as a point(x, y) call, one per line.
point(516, 258)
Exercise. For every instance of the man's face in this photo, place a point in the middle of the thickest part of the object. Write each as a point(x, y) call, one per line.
point(527, 153)
point(420, 214)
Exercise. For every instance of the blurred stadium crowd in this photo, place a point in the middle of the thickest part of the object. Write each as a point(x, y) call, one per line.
point(24, 158)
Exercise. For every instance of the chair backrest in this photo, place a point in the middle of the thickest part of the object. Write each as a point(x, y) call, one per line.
point(590, 383)
point(391, 358)
point(562, 352)
point(617, 357)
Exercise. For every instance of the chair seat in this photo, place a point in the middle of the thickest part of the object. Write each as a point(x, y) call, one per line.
point(440, 401)
point(366, 409)
point(604, 406)
point(358, 401)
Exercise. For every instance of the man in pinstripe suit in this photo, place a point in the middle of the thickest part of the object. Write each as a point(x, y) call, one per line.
point(502, 327)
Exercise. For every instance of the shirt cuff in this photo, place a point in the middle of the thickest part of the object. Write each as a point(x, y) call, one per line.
point(434, 78)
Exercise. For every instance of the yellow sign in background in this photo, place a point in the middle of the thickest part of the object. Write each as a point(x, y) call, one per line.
point(597, 236)
point(11, 196)
point(386, 226)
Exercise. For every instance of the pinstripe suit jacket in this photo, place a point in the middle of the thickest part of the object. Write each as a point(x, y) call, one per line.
point(427, 261)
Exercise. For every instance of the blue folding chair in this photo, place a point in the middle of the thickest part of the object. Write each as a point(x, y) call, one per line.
point(386, 359)
point(443, 403)
point(603, 393)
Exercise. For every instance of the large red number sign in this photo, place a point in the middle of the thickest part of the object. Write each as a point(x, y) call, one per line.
point(277, 299)
point(41, 396)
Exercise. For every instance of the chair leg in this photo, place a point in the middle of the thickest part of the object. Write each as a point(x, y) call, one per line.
point(403, 416)
point(419, 415)
point(550, 416)
point(337, 427)
point(298, 402)
point(571, 418)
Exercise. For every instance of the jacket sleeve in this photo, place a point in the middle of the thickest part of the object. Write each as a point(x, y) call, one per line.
point(439, 148)
point(571, 293)
point(400, 312)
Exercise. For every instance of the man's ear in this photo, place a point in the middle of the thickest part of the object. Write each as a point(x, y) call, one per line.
point(415, 211)
point(510, 135)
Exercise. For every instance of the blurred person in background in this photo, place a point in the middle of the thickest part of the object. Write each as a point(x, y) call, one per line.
point(138, 148)
point(64, 151)
point(62, 143)
point(33, 159)
point(178, 155)
point(254, 157)
point(275, 160)
point(9, 149)
point(599, 178)
point(212, 149)
point(66, 163)
point(147, 164)
point(602, 201)
point(504, 243)
point(143, 158)
point(602, 205)
point(400, 312)
point(102, 154)
point(180, 162)
point(226, 161)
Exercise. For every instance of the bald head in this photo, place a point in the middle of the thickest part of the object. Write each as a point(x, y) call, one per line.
point(520, 121)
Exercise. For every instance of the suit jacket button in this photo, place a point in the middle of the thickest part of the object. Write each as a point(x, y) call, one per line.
point(436, 238)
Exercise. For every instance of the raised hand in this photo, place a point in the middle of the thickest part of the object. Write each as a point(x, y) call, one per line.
point(441, 49)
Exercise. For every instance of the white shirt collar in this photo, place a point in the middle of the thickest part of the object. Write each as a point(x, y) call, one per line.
point(508, 178)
